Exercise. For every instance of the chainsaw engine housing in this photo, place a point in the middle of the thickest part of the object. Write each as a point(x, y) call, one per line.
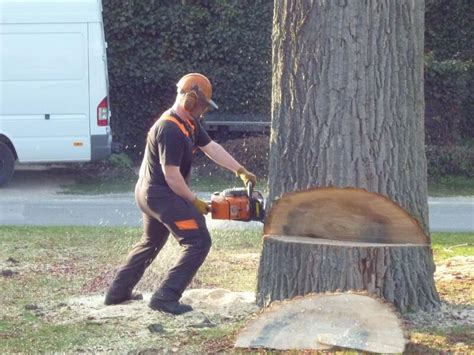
point(238, 204)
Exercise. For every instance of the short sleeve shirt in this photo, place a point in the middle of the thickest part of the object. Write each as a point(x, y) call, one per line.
point(171, 141)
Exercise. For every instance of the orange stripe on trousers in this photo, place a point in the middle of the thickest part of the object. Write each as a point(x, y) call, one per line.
point(187, 224)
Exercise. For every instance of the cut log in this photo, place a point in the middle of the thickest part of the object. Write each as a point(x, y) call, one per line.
point(332, 239)
point(318, 322)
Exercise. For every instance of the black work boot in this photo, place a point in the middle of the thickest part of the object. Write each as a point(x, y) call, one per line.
point(111, 299)
point(173, 307)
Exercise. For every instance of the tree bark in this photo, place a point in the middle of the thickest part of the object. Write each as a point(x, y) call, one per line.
point(296, 266)
point(347, 111)
point(348, 100)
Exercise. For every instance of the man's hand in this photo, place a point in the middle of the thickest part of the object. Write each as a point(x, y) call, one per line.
point(202, 206)
point(246, 176)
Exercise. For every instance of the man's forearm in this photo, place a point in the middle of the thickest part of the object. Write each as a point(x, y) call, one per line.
point(219, 155)
point(180, 188)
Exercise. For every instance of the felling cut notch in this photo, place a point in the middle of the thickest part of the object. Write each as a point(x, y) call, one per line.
point(336, 239)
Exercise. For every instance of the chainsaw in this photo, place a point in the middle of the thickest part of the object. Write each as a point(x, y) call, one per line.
point(238, 204)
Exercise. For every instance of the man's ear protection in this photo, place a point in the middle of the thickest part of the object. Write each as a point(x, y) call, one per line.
point(191, 99)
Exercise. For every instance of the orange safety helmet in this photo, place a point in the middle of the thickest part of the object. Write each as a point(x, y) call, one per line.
point(198, 84)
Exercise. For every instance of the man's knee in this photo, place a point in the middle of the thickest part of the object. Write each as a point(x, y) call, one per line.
point(143, 245)
point(153, 240)
point(205, 243)
point(200, 241)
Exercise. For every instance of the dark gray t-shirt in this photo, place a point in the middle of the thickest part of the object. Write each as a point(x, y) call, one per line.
point(171, 141)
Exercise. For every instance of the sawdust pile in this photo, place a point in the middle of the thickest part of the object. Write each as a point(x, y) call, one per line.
point(455, 272)
point(212, 308)
point(456, 268)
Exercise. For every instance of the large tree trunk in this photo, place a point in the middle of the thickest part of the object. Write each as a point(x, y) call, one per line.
point(348, 101)
point(347, 110)
point(332, 239)
point(393, 272)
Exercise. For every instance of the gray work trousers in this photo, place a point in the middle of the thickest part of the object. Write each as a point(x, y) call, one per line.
point(164, 212)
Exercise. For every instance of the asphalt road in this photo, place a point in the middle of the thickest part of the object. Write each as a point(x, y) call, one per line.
point(452, 214)
point(446, 214)
point(104, 210)
point(30, 200)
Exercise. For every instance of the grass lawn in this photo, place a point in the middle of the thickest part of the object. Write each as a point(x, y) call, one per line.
point(89, 185)
point(444, 186)
point(48, 265)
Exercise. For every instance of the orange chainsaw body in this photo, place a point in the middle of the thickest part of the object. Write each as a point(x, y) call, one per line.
point(234, 207)
point(235, 204)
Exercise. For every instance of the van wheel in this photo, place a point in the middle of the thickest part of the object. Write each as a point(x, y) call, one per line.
point(7, 164)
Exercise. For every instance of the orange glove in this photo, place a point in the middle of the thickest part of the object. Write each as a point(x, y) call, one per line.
point(246, 176)
point(202, 206)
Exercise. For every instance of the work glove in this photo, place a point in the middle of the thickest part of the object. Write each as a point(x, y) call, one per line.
point(202, 206)
point(246, 176)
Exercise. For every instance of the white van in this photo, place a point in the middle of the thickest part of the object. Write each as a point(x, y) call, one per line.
point(53, 83)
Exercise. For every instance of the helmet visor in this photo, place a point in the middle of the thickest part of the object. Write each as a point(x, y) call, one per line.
point(213, 104)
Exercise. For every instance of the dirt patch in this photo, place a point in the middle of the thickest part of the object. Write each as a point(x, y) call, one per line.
point(150, 280)
point(457, 268)
point(68, 268)
point(100, 282)
point(8, 273)
point(212, 308)
point(454, 280)
point(11, 267)
point(40, 180)
point(226, 303)
point(448, 316)
point(220, 345)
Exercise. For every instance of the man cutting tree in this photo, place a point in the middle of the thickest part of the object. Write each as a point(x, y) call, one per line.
point(167, 203)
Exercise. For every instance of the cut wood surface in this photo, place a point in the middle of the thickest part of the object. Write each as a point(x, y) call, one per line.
point(295, 266)
point(346, 320)
point(346, 214)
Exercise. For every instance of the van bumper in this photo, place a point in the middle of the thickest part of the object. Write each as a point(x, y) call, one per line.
point(101, 146)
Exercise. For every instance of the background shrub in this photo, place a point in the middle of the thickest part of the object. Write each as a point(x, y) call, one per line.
point(450, 160)
point(153, 43)
point(449, 104)
point(449, 25)
point(250, 151)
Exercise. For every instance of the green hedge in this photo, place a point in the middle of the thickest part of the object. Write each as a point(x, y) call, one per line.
point(449, 102)
point(450, 160)
point(152, 43)
point(449, 72)
point(449, 25)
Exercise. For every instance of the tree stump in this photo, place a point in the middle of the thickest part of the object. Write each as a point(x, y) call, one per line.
point(332, 239)
point(319, 322)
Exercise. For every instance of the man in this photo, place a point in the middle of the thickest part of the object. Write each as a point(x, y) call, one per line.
point(167, 203)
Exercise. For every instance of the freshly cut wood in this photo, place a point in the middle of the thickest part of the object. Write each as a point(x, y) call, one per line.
point(346, 320)
point(348, 214)
point(294, 266)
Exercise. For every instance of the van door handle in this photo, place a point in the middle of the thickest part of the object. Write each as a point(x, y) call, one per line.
point(46, 116)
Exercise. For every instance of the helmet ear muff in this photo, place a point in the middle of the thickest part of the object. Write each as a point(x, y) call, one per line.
point(191, 99)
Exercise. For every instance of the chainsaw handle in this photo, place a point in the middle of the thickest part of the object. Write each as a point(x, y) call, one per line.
point(249, 189)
